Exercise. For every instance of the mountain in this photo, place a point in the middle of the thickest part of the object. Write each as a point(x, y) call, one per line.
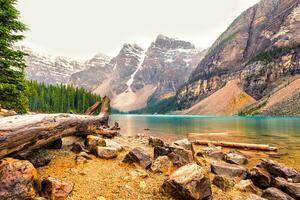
point(260, 50)
point(136, 75)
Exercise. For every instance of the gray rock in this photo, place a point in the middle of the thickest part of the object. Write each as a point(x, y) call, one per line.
point(293, 189)
point(214, 152)
point(260, 177)
point(188, 182)
point(162, 165)
point(38, 157)
point(180, 156)
point(229, 170)
point(275, 194)
point(138, 156)
point(280, 170)
point(106, 152)
point(236, 157)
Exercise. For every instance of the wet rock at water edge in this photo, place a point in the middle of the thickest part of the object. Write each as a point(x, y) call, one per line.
point(139, 157)
point(229, 170)
point(280, 170)
point(180, 156)
point(292, 189)
point(18, 180)
point(113, 144)
point(246, 186)
point(260, 177)
point(92, 142)
point(160, 151)
point(155, 142)
point(56, 189)
point(107, 152)
point(38, 157)
point(236, 157)
point(162, 165)
point(275, 194)
point(223, 183)
point(188, 182)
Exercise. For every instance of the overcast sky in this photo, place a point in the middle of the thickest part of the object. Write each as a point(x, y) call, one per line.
point(81, 28)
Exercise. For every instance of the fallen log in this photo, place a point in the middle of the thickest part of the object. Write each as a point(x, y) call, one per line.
point(261, 147)
point(93, 108)
point(27, 132)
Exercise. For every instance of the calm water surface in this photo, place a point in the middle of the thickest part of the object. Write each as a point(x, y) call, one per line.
point(283, 132)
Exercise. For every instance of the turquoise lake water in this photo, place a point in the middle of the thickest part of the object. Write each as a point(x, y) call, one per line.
point(283, 132)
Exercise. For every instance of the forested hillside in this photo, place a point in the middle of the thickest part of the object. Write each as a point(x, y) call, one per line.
point(59, 98)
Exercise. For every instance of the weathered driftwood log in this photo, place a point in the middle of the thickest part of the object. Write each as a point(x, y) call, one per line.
point(262, 147)
point(93, 108)
point(26, 132)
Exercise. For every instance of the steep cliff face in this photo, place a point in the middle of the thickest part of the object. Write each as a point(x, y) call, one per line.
point(270, 25)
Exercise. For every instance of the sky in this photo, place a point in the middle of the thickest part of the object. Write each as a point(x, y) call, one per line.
point(82, 28)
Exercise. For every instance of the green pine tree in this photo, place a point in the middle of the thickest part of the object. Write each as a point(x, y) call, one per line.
point(13, 87)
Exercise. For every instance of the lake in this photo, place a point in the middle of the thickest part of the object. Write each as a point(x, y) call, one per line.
point(283, 132)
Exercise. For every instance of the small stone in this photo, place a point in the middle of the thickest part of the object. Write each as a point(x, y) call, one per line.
point(247, 186)
point(188, 182)
point(138, 156)
point(236, 157)
point(113, 144)
point(38, 157)
point(18, 179)
point(229, 170)
point(260, 177)
point(106, 152)
point(162, 165)
point(155, 142)
point(56, 189)
point(292, 189)
point(275, 194)
point(92, 142)
point(223, 183)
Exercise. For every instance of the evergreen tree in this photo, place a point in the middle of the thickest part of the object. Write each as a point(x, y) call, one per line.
point(13, 86)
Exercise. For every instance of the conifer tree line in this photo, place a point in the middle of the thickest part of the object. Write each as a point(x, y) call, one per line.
point(59, 98)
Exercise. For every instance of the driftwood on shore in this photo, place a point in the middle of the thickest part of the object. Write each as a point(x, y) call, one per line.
point(261, 147)
point(26, 132)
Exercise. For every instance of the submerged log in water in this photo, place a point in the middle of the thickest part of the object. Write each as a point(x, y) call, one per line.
point(262, 147)
point(27, 132)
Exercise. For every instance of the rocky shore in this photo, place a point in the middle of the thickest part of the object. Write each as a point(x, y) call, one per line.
point(144, 167)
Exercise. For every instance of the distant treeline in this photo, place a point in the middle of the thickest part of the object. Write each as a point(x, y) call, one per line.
point(59, 98)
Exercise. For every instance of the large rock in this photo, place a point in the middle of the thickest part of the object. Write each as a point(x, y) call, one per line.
point(55, 189)
point(188, 182)
point(156, 142)
point(162, 165)
point(38, 157)
point(236, 157)
point(229, 170)
point(92, 142)
point(184, 143)
point(223, 183)
point(260, 177)
point(18, 180)
point(113, 144)
point(106, 152)
point(280, 170)
point(180, 156)
point(293, 189)
point(275, 194)
point(138, 156)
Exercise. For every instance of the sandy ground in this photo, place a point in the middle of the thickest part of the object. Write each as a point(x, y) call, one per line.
point(229, 100)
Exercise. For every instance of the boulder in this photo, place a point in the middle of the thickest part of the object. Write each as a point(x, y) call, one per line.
point(275, 194)
point(106, 152)
point(260, 177)
point(92, 142)
point(184, 143)
point(162, 165)
point(57, 144)
point(38, 157)
point(292, 189)
point(139, 157)
point(56, 189)
point(188, 182)
point(155, 142)
point(236, 157)
point(160, 151)
point(280, 170)
point(223, 183)
point(180, 156)
point(229, 170)
point(246, 186)
point(113, 144)
point(212, 151)
point(18, 180)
